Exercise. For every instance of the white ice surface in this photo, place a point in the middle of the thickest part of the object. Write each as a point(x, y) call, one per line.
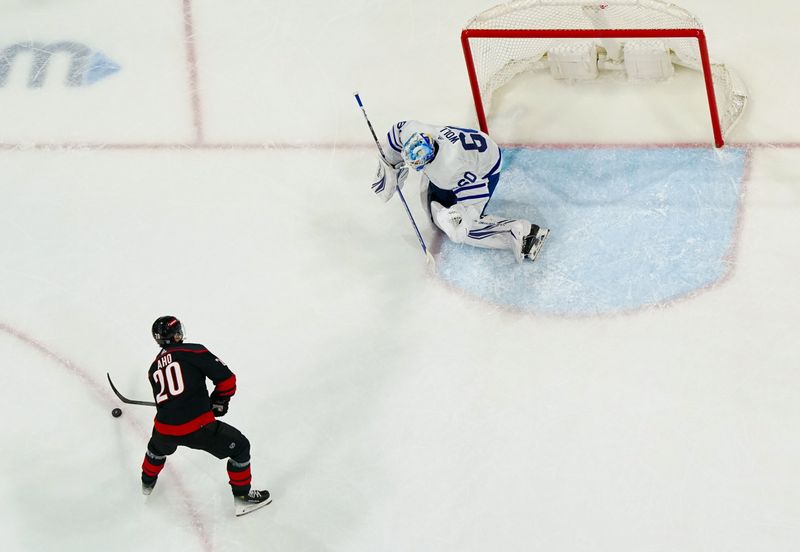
point(386, 410)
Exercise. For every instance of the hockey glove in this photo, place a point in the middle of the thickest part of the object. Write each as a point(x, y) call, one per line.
point(219, 405)
point(388, 179)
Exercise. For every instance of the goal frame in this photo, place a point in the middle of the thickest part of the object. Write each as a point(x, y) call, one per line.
point(699, 34)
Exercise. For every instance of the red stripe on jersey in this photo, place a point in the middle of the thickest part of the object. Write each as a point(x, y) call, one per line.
point(227, 387)
point(187, 428)
point(151, 469)
point(171, 350)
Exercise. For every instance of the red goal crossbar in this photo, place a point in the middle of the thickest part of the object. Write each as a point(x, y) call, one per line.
point(468, 34)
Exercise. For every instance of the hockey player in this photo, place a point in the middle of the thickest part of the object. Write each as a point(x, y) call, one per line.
point(187, 416)
point(460, 170)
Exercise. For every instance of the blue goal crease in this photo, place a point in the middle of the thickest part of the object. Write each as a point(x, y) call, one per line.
point(630, 228)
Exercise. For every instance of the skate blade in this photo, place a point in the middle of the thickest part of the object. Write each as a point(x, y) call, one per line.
point(242, 510)
point(535, 252)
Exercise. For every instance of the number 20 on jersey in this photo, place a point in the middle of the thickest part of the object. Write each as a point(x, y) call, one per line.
point(169, 378)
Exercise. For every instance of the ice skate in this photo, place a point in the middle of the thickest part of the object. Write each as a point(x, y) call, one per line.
point(533, 242)
point(250, 502)
point(147, 488)
point(518, 237)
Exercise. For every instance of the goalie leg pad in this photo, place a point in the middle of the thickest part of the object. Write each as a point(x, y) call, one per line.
point(492, 232)
point(647, 61)
point(454, 221)
point(573, 61)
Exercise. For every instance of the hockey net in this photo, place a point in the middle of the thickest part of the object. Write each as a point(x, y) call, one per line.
point(578, 40)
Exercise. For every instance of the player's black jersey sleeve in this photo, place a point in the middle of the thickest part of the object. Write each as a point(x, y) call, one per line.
point(178, 378)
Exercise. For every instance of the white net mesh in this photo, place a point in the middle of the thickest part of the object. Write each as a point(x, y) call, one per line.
point(498, 59)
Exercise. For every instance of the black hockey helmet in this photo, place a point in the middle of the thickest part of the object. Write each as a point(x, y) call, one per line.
point(167, 330)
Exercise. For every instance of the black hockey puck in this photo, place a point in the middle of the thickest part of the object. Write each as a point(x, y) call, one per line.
point(117, 412)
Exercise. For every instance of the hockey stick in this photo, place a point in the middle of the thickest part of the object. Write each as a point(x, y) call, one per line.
point(428, 256)
point(124, 399)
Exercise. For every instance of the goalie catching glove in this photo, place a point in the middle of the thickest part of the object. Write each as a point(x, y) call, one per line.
point(388, 178)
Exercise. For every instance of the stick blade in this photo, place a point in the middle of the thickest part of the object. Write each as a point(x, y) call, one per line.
point(124, 399)
point(430, 261)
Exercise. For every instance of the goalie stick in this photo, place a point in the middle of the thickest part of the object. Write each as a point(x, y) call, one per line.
point(125, 399)
point(428, 256)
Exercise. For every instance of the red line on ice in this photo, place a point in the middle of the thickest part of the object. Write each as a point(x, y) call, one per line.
point(191, 62)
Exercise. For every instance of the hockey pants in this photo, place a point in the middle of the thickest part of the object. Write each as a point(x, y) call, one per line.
point(217, 438)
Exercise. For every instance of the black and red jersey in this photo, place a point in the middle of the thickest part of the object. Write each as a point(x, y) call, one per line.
point(178, 377)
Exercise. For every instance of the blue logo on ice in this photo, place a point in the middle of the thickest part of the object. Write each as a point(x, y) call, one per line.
point(630, 228)
point(99, 68)
point(86, 66)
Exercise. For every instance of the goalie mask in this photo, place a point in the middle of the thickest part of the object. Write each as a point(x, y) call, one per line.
point(168, 330)
point(418, 151)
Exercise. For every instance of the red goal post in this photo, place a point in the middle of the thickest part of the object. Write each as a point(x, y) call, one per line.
point(511, 38)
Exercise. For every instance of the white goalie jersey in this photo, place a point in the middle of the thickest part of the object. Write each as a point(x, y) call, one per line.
point(466, 167)
point(457, 184)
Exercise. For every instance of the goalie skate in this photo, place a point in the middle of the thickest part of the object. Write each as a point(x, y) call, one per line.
point(533, 242)
point(250, 502)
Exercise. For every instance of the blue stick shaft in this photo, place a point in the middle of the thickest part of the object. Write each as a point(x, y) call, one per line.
point(399, 191)
point(413, 222)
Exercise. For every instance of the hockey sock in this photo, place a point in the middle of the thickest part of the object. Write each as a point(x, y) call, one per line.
point(239, 477)
point(152, 466)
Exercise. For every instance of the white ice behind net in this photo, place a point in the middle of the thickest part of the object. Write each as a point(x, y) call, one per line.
point(497, 60)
